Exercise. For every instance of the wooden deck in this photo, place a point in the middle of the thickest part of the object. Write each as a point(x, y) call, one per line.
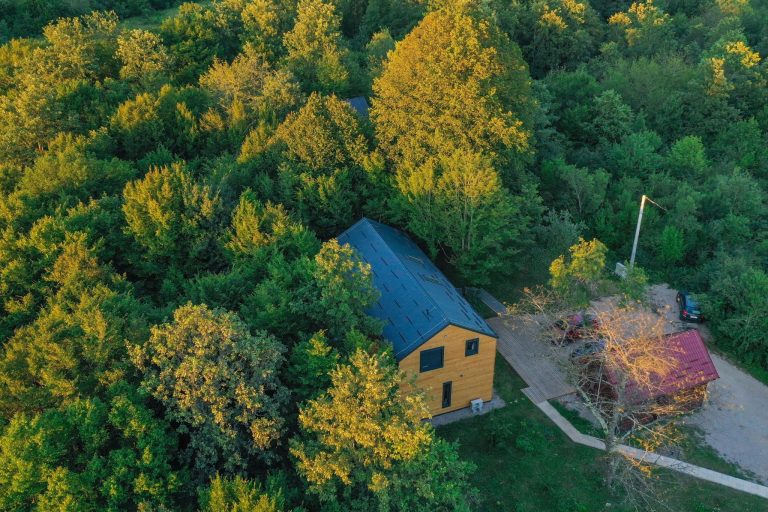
point(533, 359)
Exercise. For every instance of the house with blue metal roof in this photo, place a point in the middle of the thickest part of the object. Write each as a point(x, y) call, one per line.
point(360, 104)
point(436, 335)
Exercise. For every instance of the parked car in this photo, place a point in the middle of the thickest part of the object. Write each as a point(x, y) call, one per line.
point(690, 310)
point(586, 351)
point(575, 327)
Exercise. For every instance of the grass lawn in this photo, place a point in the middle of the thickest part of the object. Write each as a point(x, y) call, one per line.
point(693, 448)
point(532, 466)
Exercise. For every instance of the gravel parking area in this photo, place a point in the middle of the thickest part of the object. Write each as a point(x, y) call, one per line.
point(734, 420)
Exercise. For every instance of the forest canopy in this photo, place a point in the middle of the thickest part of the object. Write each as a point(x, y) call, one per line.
point(179, 329)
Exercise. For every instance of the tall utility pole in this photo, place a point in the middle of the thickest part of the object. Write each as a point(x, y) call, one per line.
point(637, 229)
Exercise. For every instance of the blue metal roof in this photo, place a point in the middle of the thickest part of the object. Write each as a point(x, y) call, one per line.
point(360, 104)
point(417, 301)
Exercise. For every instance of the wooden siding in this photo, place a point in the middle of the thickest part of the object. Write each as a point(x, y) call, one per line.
point(472, 376)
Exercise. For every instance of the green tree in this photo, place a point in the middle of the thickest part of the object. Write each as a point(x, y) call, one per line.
point(324, 134)
point(583, 266)
point(143, 57)
point(552, 237)
point(257, 229)
point(62, 177)
point(579, 189)
point(324, 160)
point(310, 365)
point(316, 50)
point(248, 90)
point(687, 158)
point(376, 50)
point(238, 495)
point(734, 71)
point(79, 48)
point(397, 16)
point(637, 155)
point(341, 292)
point(455, 82)
point(75, 347)
point(644, 28)
point(168, 118)
point(219, 383)
point(659, 87)
point(559, 34)
point(195, 36)
point(386, 459)
point(610, 120)
point(737, 305)
point(743, 143)
point(458, 205)
point(173, 218)
point(672, 245)
point(264, 21)
point(735, 210)
point(90, 455)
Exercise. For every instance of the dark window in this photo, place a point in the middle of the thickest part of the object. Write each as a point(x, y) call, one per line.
point(431, 359)
point(472, 347)
point(447, 388)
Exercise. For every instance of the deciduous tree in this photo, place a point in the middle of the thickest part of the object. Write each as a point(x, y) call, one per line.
point(143, 57)
point(582, 267)
point(385, 458)
point(316, 50)
point(219, 384)
point(454, 83)
point(173, 218)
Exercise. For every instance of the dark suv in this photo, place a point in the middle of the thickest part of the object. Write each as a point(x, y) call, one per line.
point(690, 311)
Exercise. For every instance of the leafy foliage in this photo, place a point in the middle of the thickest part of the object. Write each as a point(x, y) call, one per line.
point(387, 458)
point(219, 384)
point(206, 156)
point(454, 83)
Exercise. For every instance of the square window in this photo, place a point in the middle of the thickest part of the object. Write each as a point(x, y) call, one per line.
point(431, 359)
point(472, 347)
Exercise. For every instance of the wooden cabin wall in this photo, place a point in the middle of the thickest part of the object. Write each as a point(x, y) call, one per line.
point(472, 376)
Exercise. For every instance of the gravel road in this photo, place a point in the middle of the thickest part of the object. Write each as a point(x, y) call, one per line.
point(734, 420)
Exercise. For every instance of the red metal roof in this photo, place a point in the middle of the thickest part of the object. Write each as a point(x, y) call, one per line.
point(694, 365)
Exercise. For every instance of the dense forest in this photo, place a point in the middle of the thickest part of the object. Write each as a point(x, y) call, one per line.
point(179, 328)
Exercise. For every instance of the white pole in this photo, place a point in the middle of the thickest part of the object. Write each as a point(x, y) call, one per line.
point(637, 232)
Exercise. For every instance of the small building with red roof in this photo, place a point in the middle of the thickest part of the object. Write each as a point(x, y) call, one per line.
point(687, 381)
point(694, 367)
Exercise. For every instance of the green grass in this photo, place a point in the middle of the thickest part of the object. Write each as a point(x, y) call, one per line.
point(526, 464)
point(582, 425)
point(693, 448)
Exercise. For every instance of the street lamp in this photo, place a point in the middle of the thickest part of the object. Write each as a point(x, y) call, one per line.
point(637, 229)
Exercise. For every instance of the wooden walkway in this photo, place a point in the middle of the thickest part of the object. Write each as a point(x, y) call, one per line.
point(532, 359)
